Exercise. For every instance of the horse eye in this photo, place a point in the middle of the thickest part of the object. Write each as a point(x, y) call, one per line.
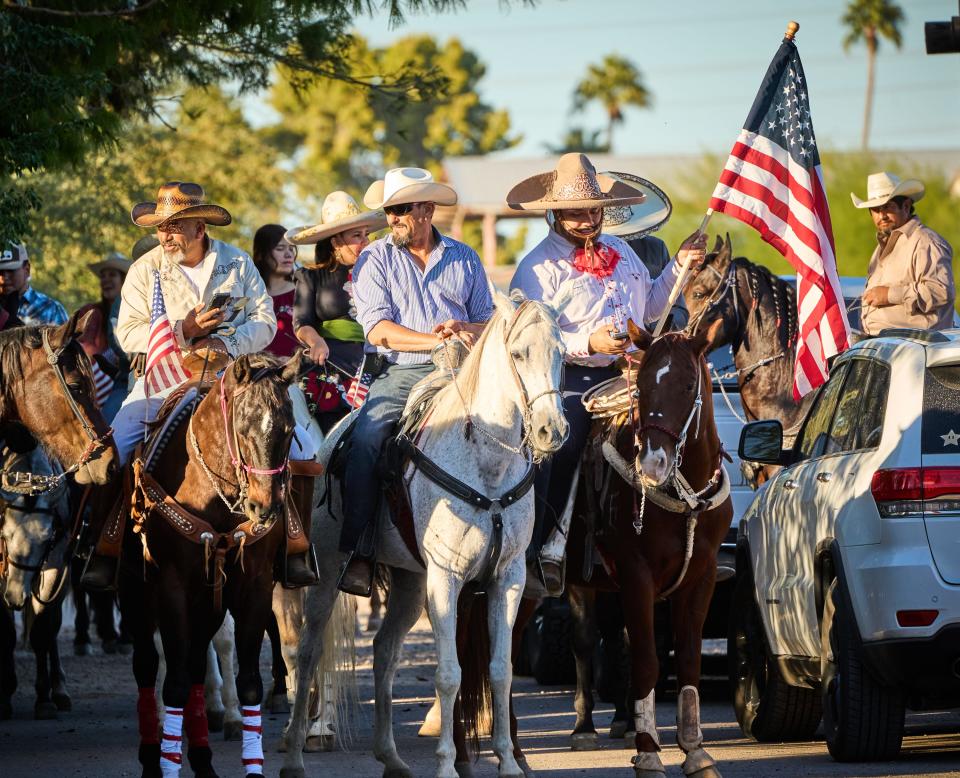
point(698, 295)
point(517, 355)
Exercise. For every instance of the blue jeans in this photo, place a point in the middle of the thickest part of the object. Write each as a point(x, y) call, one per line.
point(554, 477)
point(376, 421)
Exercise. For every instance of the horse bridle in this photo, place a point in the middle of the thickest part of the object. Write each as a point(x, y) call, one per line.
point(679, 438)
point(728, 283)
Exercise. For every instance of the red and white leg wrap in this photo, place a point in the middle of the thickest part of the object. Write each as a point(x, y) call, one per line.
point(171, 741)
point(195, 718)
point(252, 739)
point(147, 720)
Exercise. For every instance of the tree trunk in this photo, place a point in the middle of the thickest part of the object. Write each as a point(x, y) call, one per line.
point(871, 41)
point(610, 121)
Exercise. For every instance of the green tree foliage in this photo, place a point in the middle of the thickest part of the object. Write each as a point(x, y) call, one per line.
point(870, 21)
point(579, 139)
point(615, 83)
point(71, 71)
point(853, 230)
point(345, 136)
point(86, 211)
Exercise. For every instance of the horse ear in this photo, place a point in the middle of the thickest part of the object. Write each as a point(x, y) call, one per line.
point(74, 329)
point(717, 245)
point(241, 369)
point(639, 337)
point(294, 367)
point(504, 304)
point(706, 338)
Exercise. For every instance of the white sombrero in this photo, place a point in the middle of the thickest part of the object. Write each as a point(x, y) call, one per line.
point(883, 187)
point(338, 213)
point(634, 221)
point(408, 185)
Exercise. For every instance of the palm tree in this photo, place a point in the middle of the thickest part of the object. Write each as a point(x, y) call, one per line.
point(579, 139)
point(615, 83)
point(869, 21)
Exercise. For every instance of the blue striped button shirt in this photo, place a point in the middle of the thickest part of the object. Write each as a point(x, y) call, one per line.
point(389, 285)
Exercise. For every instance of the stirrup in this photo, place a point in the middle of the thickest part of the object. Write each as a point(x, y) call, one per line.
point(95, 578)
point(354, 586)
point(312, 565)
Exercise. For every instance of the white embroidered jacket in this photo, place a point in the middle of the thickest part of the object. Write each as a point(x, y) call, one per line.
point(233, 272)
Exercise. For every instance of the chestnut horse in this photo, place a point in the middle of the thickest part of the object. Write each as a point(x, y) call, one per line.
point(212, 508)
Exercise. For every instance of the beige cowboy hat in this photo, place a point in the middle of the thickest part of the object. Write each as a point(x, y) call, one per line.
point(142, 246)
point(338, 213)
point(408, 185)
point(113, 261)
point(574, 183)
point(179, 200)
point(634, 221)
point(883, 187)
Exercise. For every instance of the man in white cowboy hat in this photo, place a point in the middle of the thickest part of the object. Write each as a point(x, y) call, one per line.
point(412, 289)
point(605, 284)
point(35, 307)
point(191, 268)
point(910, 276)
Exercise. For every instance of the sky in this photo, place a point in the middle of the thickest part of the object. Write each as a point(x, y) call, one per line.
point(703, 61)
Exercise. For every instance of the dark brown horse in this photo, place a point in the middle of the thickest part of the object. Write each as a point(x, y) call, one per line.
point(213, 503)
point(46, 395)
point(759, 315)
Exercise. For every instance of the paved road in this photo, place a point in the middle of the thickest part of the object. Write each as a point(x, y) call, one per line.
point(99, 737)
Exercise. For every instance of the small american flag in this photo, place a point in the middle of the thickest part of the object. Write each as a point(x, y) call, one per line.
point(360, 385)
point(164, 363)
point(103, 384)
point(773, 182)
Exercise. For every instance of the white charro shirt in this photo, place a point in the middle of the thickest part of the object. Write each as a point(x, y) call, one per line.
point(626, 294)
point(230, 271)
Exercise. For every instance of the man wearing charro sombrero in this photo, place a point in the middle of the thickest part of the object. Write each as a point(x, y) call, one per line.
point(412, 289)
point(605, 284)
point(191, 268)
point(910, 276)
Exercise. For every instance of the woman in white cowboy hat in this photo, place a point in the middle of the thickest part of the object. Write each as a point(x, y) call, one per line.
point(910, 275)
point(324, 317)
point(605, 285)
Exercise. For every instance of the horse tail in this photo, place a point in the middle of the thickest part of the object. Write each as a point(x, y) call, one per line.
point(473, 651)
point(335, 679)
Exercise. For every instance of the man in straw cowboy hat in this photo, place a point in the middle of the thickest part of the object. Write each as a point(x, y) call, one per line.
point(412, 289)
point(191, 268)
point(910, 276)
point(35, 308)
point(605, 284)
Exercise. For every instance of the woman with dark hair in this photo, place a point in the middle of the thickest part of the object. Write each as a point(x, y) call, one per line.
point(323, 317)
point(274, 256)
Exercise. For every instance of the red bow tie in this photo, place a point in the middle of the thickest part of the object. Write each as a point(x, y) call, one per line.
point(602, 262)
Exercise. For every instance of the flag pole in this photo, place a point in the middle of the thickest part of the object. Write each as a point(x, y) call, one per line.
point(681, 281)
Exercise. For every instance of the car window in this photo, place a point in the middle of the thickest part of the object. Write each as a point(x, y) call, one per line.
point(874, 406)
point(813, 438)
point(846, 421)
point(941, 409)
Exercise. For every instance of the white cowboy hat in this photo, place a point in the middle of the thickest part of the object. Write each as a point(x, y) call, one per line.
point(13, 256)
point(408, 185)
point(113, 261)
point(338, 213)
point(883, 187)
point(634, 221)
point(574, 183)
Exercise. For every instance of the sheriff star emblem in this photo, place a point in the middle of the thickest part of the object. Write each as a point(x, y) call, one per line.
point(951, 439)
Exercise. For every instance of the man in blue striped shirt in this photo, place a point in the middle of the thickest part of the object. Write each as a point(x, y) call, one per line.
point(412, 289)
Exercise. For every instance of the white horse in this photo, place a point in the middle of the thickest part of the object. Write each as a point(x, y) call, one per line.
point(503, 410)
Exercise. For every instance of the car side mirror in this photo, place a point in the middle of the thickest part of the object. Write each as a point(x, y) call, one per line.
point(762, 442)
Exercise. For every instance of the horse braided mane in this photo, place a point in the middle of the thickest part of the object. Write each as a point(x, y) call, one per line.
point(782, 296)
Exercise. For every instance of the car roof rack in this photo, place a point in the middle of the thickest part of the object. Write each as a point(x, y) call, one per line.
point(922, 336)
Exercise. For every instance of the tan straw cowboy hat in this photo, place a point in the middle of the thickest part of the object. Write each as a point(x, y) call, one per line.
point(574, 184)
point(408, 185)
point(634, 221)
point(113, 261)
point(883, 187)
point(179, 200)
point(338, 213)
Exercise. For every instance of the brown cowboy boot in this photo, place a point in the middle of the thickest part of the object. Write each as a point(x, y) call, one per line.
point(299, 568)
point(103, 566)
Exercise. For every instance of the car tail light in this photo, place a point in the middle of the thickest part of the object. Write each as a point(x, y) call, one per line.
point(916, 618)
point(911, 490)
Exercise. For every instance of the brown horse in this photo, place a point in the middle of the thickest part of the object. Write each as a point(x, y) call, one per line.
point(213, 502)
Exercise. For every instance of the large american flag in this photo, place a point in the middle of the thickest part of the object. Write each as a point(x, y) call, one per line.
point(164, 363)
point(773, 182)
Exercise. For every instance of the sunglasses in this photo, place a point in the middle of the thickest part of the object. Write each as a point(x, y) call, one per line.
point(399, 210)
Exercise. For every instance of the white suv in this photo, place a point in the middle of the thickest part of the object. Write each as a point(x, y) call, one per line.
point(851, 604)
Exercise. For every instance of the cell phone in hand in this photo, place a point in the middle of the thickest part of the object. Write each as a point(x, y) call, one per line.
point(236, 305)
point(622, 335)
point(218, 301)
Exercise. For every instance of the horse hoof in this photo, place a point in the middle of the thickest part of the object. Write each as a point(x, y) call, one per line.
point(63, 702)
point(233, 730)
point(315, 744)
point(81, 649)
point(293, 772)
point(278, 704)
point(397, 772)
point(618, 729)
point(45, 711)
point(647, 764)
point(584, 741)
point(215, 720)
point(464, 769)
point(527, 770)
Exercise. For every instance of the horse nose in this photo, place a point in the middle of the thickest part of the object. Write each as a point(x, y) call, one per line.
point(653, 465)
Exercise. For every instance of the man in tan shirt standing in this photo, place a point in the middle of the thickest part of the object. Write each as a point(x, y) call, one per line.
point(910, 276)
